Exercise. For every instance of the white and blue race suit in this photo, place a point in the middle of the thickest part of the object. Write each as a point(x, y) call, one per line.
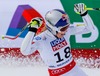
point(56, 52)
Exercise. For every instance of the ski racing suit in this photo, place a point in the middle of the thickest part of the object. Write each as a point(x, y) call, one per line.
point(56, 52)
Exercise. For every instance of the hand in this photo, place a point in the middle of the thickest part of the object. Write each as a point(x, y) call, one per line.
point(80, 8)
point(35, 23)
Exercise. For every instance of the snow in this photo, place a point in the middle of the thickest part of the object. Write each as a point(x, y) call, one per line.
point(24, 71)
point(37, 71)
point(92, 71)
point(13, 66)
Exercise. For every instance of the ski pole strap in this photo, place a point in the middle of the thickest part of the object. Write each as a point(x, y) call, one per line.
point(33, 29)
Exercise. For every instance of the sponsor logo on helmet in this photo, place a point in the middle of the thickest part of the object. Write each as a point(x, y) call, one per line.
point(63, 21)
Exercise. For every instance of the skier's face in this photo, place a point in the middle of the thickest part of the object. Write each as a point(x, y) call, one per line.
point(62, 32)
point(61, 29)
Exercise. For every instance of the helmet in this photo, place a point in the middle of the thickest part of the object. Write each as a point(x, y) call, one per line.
point(57, 19)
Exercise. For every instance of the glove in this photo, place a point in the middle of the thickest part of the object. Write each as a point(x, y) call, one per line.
point(80, 8)
point(35, 23)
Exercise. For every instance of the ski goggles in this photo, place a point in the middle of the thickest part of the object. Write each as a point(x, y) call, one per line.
point(63, 28)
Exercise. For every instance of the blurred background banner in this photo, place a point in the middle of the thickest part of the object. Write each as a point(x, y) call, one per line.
point(90, 40)
point(15, 14)
point(85, 47)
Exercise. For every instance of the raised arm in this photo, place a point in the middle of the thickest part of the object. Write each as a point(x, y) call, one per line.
point(87, 25)
point(27, 47)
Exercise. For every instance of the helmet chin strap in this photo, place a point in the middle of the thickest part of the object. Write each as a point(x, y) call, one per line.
point(54, 32)
point(56, 35)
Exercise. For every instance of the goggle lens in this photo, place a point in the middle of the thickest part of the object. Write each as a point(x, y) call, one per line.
point(64, 28)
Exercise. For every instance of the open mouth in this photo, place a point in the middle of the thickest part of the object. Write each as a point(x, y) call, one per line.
point(64, 28)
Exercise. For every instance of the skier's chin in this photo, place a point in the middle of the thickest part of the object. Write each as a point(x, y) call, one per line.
point(61, 36)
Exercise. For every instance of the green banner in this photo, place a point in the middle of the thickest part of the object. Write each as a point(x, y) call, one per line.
point(90, 41)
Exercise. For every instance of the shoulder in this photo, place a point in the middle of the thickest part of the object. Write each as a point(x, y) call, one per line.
point(40, 36)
